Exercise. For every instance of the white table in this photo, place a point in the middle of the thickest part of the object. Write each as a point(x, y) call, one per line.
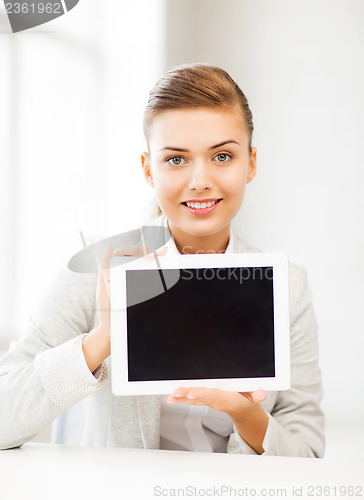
point(52, 472)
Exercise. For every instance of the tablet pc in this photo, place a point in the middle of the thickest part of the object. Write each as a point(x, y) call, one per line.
point(212, 320)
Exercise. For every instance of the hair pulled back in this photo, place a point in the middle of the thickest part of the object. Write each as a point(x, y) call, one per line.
point(196, 85)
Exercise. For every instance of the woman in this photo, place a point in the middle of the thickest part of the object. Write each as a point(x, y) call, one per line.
point(198, 128)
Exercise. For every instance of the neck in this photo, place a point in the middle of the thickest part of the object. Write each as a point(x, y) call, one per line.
point(189, 243)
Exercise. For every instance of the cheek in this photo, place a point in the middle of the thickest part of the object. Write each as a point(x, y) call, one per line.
point(165, 184)
point(167, 181)
point(234, 181)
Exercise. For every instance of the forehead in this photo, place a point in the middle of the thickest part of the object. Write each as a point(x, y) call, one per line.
point(197, 127)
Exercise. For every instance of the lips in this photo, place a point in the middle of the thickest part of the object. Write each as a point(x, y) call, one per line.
point(200, 201)
point(196, 209)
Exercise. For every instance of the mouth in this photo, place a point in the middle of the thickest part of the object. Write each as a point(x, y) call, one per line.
point(202, 207)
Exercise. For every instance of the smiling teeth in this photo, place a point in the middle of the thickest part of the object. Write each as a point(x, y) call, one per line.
point(201, 205)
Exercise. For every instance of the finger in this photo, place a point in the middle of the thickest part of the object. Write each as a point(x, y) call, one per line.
point(255, 397)
point(160, 251)
point(259, 395)
point(105, 263)
point(185, 395)
point(103, 289)
point(107, 257)
point(129, 250)
point(248, 396)
point(233, 403)
point(215, 398)
point(104, 274)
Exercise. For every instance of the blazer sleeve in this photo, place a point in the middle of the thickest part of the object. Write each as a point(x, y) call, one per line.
point(296, 422)
point(44, 371)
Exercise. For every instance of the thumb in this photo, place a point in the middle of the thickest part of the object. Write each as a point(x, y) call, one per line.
point(259, 396)
point(163, 250)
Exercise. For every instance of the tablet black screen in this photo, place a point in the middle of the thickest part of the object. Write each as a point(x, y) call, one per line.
point(213, 323)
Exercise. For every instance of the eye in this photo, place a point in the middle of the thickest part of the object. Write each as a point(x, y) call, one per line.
point(175, 160)
point(222, 157)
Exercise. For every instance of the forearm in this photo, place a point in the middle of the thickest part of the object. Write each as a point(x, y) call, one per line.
point(252, 426)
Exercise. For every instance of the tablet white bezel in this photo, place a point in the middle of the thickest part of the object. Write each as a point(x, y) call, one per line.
point(118, 322)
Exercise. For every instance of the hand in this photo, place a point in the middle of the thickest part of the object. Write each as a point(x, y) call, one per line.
point(96, 345)
point(244, 409)
point(235, 404)
point(103, 287)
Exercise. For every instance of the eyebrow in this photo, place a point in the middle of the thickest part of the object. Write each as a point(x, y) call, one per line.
point(182, 150)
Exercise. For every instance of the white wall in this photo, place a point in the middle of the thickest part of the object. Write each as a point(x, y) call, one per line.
point(301, 65)
point(72, 94)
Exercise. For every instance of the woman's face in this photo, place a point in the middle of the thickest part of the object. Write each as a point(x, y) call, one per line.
point(197, 157)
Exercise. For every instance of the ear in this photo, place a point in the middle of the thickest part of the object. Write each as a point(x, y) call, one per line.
point(145, 159)
point(252, 165)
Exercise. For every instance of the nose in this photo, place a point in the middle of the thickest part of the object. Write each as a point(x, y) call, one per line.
point(200, 178)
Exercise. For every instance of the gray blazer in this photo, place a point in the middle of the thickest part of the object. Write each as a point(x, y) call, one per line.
point(44, 372)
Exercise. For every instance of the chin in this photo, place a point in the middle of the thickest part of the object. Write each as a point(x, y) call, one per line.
point(203, 228)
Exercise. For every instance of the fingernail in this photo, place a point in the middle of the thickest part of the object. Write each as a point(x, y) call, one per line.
point(171, 398)
point(191, 397)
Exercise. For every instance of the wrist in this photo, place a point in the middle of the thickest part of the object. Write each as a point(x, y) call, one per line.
point(101, 334)
point(252, 424)
point(248, 413)
point(96, 348)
